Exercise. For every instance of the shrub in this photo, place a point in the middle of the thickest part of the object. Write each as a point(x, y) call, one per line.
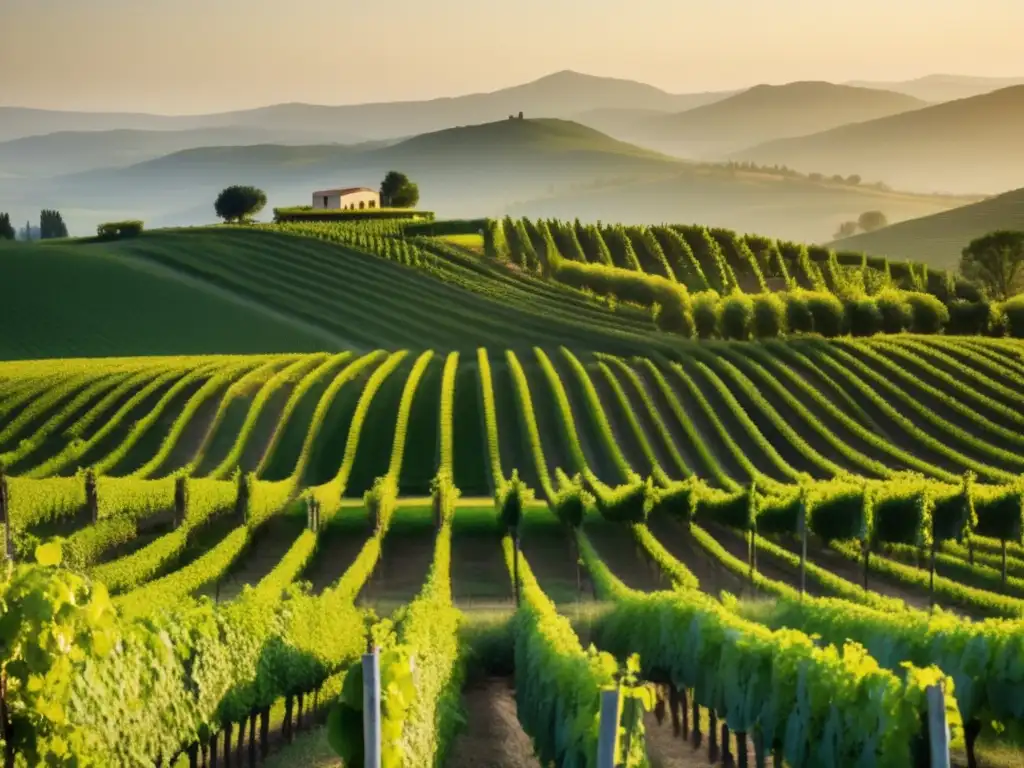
point(1013, 312)
point(863, 316)
point(972, 318)
point(238, 203)
point(929, 314)
point(798, 315)
point(828, 313)
point(675, 317)
point(895, 312)
point(736, 316)
point(113, 230)
point(769, 318)
point(705, 314)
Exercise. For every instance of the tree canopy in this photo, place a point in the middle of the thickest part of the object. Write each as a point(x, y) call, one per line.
point(995, 262)
point(238, 203)
point(6, 228)
point(51, 225)
point(397, 191)
point(869, 221)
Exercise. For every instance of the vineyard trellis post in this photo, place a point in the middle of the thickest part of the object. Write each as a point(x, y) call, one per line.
point(92, 501)
point(938, 727)
point(608, 730)
point(802, 522)
point(180, 500)
point(371, 709)
point(5, 515)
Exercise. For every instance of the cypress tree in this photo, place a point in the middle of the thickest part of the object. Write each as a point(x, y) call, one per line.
point(6, 228)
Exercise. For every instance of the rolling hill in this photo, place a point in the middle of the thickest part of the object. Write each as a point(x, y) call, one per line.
point(768, 112)
point(66, 152)
point(966, 146)
point(783, 206)
point(466, 171)
point(937, 88)
point(561, 94)
point(96, 300)
point(938, 239)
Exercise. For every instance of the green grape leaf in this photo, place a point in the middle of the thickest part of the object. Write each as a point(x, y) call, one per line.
point(48, 555)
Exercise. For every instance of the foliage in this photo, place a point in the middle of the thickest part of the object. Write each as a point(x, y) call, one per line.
point(869, 221)
point(51, 225)
point(112, 230)
point(996, 262)
point(397, 191)
point(6, 228)
point(239, 203)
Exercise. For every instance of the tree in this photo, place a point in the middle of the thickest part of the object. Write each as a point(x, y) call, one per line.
point(397, 191)
point(51, 225)
point(996, 262)
point(854, 179)
point(869, 221)
point(238, 203)
point(6, 228)
point(846, 229)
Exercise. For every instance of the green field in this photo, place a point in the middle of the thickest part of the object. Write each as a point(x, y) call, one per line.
point(940, 238)
point(262, 515)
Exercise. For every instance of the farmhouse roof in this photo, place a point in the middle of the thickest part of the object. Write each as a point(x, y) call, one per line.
point(343, 191)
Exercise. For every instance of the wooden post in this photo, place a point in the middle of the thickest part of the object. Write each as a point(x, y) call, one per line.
point(867, 562)
point(938, 727)
point(931, 578)
point(371, 709)
point(5, 519)
point(92, 501)
point(608, 730)
point(213, 751)
point(1004, 566)
point(803, 554)
point(515, 564)
point(180, 501)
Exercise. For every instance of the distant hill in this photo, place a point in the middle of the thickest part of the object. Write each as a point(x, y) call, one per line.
point(465, 171)
point(562, 94)
point(768, 112)
point(938, 239)
point(66, 152)
point(793, 208)
point(937, 88)
point(967, 146)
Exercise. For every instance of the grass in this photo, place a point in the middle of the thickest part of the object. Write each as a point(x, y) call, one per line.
point(74, 300)
point(473, 243)
point(937, 240)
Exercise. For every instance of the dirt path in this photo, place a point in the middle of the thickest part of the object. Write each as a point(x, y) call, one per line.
point(401, 571)
point(666, 750)
point(479, 575)
point(712, 575)
point(625, 557)
point(492, 737)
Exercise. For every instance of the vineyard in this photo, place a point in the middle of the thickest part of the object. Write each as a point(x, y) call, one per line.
point(773, 549)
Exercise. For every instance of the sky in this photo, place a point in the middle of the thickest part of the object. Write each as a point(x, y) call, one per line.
point(192, 56)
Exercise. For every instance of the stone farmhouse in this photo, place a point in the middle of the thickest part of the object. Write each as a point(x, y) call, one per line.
point(347, 199)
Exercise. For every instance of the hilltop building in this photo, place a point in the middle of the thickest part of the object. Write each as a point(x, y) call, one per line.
point(346, 199)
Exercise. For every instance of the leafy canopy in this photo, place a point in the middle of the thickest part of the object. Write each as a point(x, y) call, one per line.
point(996, 263)
point(238, 203)
point(397, 191)
point(869, 221)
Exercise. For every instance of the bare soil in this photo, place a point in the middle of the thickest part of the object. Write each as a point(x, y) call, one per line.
point(492, 737)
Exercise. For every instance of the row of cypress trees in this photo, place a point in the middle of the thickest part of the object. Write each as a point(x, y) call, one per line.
point(51, 225)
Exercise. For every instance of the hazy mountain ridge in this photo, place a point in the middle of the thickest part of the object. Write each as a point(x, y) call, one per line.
point(970, 145)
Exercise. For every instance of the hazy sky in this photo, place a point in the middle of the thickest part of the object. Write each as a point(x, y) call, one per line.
point(178, 56)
